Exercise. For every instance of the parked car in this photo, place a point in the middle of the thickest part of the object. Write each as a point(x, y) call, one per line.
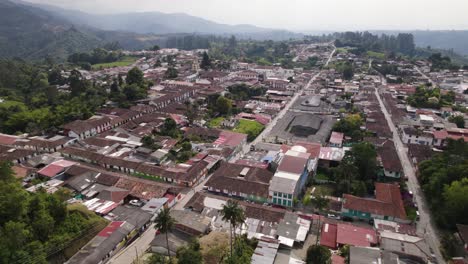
point(332, 216)
point(136, 203)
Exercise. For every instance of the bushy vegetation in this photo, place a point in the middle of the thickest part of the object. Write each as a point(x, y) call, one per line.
point(350, 126)
point(431, 98)
point(440, 62)
point(245, 92)
point(317, 254)
point(33, 226)
point(444, 180)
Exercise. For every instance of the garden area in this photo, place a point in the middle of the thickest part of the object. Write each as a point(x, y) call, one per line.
point(215, 122)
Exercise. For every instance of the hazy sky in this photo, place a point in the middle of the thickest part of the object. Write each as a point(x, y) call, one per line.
point(299, 14)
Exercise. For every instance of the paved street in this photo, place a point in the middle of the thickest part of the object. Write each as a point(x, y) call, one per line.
point(281, 114)
point(425, 226)
point(425, 76)
point(140, 245)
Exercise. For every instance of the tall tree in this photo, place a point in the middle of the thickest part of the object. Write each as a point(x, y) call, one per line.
point(206, 61)
point(135, 76)
point(318, 255)
point(223, 105)
point(164, 222)
point(233, 214)
point(171, 73)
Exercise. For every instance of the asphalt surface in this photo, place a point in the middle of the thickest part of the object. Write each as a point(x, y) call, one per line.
point(425, 226)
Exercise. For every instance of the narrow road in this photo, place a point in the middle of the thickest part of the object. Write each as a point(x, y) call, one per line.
point(425, 227)
point(281, 114)
point(129, 254)
point(425, 76)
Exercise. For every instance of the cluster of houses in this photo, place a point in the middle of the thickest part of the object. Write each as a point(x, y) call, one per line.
point(106, 163)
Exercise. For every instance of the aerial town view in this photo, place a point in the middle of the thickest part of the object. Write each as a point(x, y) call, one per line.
point(286, 132)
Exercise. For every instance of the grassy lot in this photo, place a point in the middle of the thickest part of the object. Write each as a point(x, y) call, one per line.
point(322, 189)
point(322, 176)
point(215, 122)
point(341, 50)
point(376, 55)
point(251, 128)
point(125, 61)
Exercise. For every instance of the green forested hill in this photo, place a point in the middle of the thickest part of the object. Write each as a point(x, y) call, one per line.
point(32, 33)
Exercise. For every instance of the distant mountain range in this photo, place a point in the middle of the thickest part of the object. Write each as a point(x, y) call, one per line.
point(34, 31)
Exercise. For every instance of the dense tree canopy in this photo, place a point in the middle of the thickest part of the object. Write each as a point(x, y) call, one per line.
point(365, 41)
point(33, 104)
point(206, 61)
point(357, 171)
point(317, 254)
point(98, 55)
point(431, 98)
point(444, 181)
point(32, 225)
point(223, 105)
point(245, 92)
point(350, 126)
point(459, 120)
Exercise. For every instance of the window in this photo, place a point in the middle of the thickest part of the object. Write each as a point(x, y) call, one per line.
point(284, 202)
point(285, 195)
point(290, 196)
point(274, 200)
point(279, 201)
point(289, 203)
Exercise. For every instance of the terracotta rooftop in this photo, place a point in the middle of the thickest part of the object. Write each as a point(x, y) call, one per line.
point(388, 201)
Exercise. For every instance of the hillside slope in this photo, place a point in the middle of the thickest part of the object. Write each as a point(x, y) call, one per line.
point(32, 33)
point(163, 23)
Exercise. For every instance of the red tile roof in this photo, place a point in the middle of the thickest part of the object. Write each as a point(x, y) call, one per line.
point(388, 201)
point(111, 228)
point(293, 164)
point(355, 236)
point(328, 235)
point(55, 168)
point(7, 139)
point(337, 259)
point(336, 137)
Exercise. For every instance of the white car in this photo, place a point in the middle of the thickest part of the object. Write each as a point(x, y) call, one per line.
point(332, 216)
point(136, 203)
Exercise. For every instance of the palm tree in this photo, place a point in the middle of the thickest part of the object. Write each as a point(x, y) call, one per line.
point(233, 214)
point(164, 223)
